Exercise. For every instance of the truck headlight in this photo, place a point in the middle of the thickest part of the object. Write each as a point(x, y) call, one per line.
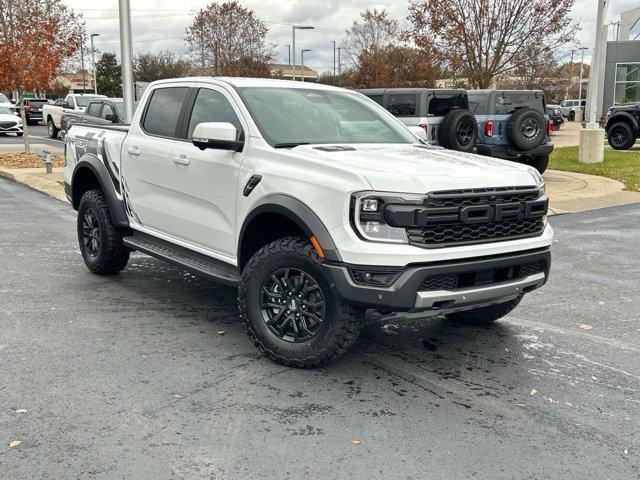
point(368, 219)
point(540, 183)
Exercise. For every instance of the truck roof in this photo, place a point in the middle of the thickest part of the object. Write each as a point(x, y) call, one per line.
point(241, 82)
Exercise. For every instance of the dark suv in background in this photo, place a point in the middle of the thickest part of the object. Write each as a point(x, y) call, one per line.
point(513, 125)
point(443, 114)
point(33, 109)
point(623, 126)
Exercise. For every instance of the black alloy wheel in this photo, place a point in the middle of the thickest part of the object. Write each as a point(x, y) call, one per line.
point(91, 233)
point(292, 305)
point(466, 133)
point(621, 136)
point(530, 128)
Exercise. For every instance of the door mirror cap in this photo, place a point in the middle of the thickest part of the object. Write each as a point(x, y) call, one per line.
point(66, 105)
point(418, 132)
point(218, 136)
point(110, 117)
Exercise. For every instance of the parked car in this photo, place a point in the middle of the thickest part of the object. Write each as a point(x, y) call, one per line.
point(555, 114)
point(8, 104)
point(312, 200)
point(10, 122)
point(443, 114)
point(33, 109)
point(52, 113)
point(570, 107)
point(107, 111)
point(623, 126)
point(513, 125)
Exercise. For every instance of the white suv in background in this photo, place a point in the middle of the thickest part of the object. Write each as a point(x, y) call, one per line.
point(570, 107)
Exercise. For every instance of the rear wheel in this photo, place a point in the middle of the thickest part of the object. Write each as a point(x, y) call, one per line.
point(289, 309)
point(485, 315)
point(526, 129)
point(52, 131)
point(620, 136)
point(572, 116)
point(100, 241)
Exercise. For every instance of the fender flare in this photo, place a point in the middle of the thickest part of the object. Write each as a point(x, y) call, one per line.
point(623, 117)
point(300, 214)
point(116, 206)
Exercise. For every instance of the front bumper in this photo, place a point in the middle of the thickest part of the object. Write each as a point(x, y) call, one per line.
point(478, 282)
point(507, 152)
point(14, 129)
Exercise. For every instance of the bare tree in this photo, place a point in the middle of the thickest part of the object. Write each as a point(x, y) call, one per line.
point(374, 31)
point(228, 39)
point(149, 67)
point(485, 39)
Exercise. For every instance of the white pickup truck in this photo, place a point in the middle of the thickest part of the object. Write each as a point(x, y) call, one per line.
point(52, 113)
point(315, 202)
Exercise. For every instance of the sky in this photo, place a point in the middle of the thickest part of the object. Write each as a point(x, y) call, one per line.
point(160, 24)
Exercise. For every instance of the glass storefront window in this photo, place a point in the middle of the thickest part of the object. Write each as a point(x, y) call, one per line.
point(627, 83)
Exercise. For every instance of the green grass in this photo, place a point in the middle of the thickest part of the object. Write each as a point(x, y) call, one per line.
point(619, 165)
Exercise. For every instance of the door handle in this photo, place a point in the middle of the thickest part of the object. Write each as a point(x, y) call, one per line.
point(181, 160)
point(135, 151)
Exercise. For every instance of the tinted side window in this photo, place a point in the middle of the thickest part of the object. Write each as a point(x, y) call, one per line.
point(509, 103)
point(403, 104)
point(376, 98)
point(163, 111)
point(478, 104)
point(442, 104)
point(94, 109)
point(212, 106)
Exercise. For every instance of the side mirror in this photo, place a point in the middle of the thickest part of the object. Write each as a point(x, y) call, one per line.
point(418, 132)
point(66, 105)
point(217, 136)
point(110, 117)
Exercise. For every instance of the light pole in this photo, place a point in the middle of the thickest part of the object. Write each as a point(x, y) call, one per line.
point(84, 77)
point(334, 61)
point(93, 62)
point(302, 59)
point(289, 55)
point(591, 138)
point(580, 115)
point(126, 54)
point(339, 65)
point(293, 43)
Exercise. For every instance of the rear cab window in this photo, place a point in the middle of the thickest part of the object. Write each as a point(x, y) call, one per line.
point(403, 104)
point(507, 103)
point(441, 104)
point(163, 111)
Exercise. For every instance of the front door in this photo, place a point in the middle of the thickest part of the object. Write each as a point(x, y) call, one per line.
point(206, 181)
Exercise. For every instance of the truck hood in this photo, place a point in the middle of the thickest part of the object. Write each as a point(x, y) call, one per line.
point(420, 169)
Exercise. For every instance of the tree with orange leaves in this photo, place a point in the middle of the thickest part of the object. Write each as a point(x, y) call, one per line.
point(35, 37)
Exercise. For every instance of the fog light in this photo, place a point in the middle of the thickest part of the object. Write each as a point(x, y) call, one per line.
point(372, 227)
point(370, 205)
point(376, 278)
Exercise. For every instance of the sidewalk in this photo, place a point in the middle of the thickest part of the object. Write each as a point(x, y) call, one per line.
point(568, 192)
point(568, 135)
point(19, 148)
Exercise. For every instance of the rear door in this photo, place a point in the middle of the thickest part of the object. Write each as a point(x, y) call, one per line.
point(206, 181)
point(148, 170)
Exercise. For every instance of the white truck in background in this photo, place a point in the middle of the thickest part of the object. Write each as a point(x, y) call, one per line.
point(53, 113)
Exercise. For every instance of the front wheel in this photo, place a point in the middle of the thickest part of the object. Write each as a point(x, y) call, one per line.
point(289, 309)
point(100, 241)
point(485, 315)
point(620, 136)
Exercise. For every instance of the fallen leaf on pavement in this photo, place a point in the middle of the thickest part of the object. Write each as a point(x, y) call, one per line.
point(177, 396)
point(593, 377)
point(355, 442)
point(551, 400)
point(21, 410)
point(221, 332)
point(533, 392)
point(15, 443)
point(584, 326)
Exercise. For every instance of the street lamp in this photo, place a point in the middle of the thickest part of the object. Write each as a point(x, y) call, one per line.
point(293, 43)
point(581, 112)
point(334, 61)
point(302, 60)
point(93, 61)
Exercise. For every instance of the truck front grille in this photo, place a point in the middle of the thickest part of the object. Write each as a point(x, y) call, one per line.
point(461, 217)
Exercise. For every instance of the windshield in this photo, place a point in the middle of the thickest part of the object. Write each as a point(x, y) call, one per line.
point(85, 100)
point(5, 111)
point(3, 98)
point(288, 117)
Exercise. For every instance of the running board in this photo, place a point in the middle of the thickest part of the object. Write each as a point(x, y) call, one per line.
point(194, 262)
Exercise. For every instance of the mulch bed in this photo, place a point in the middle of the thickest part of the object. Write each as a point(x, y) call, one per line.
point(27, 160)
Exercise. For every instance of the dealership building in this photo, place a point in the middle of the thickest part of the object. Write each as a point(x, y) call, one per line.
point(622, 69)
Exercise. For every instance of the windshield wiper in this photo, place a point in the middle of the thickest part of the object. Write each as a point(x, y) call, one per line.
point(290, 144)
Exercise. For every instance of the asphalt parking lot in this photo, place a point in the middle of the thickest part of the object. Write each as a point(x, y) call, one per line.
point(37, 134)
point(149, 374)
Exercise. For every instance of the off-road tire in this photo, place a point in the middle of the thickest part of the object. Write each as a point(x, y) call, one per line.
point(52, 130)
point(621, 136)
point(342, 323)
point(572, 116)
point(112, 255)
point(485, 315)
point(458, 131)
point(518, 131)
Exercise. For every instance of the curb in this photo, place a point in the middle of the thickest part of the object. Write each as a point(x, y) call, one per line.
point(49, 187)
